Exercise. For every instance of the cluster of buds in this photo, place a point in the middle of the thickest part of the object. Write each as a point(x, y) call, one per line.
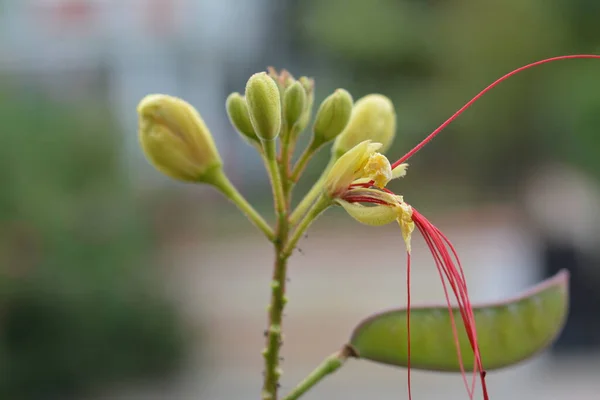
point(275, 105)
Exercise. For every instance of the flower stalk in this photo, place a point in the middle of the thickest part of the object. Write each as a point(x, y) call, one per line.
point(224, 185)
point(312, 195)
point(330, 365)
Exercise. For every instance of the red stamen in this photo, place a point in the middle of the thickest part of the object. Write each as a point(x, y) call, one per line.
point(368, 185)
point(439, 244)
point(408, 322)
point(364, 199)
point(362, 185)
point(474, 99)
point(442, 272)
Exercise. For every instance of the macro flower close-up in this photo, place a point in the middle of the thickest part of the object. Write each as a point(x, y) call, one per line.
point(285, 200)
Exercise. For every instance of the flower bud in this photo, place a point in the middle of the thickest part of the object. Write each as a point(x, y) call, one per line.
point(175, 139)
point(332, 117)
point(237, 110)
point(309, 88)
point(294, 102)
point(373, 117)
point(264, 105)
point(283, 78)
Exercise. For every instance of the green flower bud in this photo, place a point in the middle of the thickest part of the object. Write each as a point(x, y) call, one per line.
point(175, 139)
point(373, 118)
point(309, 86)
point(237, 110)
point(308, 83)
point(294, 103)
point(264, 105)
point(332, 117)
point(283, 79)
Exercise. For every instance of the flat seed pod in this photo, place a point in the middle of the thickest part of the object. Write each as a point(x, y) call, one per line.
point(508, 332)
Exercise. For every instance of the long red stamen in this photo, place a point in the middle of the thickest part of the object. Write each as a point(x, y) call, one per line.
point(474, 99)
point(361, 185)
point(442, 272)
point(443, 252)
point(367, 185)
point(365, 199)
point(408, 322)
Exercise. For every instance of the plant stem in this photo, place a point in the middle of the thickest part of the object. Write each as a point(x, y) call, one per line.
point(284, 163)
point(305, 157)
point(274, 331)
point(275, 176)
point(279, 180)
point(223, 184)
point(311, 196)
point(327, 367)
point(284, 245)
point(318, 207)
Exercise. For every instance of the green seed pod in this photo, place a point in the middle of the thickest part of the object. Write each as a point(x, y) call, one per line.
point(264, 105)
point(508, 332)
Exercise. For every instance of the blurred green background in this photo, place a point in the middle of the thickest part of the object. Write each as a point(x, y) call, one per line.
point(87, 227)
point(80, 303)
point(431, 57)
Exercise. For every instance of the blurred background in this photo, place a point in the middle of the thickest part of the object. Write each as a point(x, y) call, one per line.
point(116, 283)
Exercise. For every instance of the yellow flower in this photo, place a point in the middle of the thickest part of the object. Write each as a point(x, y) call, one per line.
point(360, 176)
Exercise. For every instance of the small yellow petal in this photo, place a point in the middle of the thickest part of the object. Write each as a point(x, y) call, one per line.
point(370, 215)
point(399, 171)
point(378, 169)
point(407, 226)
point(349, 167)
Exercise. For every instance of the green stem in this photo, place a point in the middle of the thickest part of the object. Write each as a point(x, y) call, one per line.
point(284, 165)
point(283, 250)
point(284, 245)
point(274, 174)
point(312, 195)
point(278, 300)
point(274, 331)
point(327, 367)
point(307, 154)
point(318, 207)
point(223, 184)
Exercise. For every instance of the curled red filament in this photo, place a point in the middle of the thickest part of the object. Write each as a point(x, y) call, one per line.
point(478, 96)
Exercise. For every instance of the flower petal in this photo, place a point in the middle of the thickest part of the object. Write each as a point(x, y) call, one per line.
point(349, 167)
point(378, 168)
point(377, 215)
point(399, 171)
point(378, 196)
point(407, 226)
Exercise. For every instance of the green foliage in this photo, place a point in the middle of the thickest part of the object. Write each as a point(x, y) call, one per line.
point(78, 308)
